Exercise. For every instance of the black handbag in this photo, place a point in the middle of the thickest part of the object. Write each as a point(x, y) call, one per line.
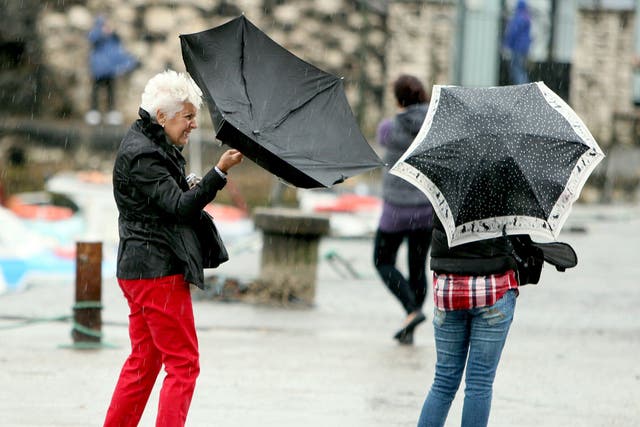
point(213, 250)
point(530, 257)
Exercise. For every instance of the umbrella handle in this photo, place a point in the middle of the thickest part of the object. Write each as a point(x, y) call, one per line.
point(513, 249)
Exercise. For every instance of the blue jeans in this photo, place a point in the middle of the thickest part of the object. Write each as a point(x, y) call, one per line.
point(479, 333)
point(518, 68)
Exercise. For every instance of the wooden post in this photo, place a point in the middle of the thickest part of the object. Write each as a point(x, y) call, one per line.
point(289, 260)
point(87, 309)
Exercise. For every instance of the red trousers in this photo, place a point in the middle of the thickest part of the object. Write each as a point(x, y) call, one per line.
point(162, 332)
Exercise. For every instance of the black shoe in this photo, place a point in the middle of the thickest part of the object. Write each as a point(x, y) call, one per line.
point(406, 338)
point(420, 317)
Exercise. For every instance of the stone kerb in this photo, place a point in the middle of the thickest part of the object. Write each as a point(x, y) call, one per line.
point(289, 259)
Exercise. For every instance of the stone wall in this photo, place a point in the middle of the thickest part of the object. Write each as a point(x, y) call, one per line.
point(344, 37)
point(148, 29)
point(44, 52)
point(20, 57)
point(368, 42)
point(602, 71)
point(421, 42)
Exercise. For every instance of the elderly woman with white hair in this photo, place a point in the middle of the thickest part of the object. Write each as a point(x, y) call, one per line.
point(162, 249)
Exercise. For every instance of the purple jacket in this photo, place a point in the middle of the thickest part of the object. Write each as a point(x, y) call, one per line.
point(405, 207)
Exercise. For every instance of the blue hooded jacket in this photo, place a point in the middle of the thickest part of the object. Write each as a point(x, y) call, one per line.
point(108, 59)
point(517, 36)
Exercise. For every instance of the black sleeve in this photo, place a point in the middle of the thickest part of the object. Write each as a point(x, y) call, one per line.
point(152, 178)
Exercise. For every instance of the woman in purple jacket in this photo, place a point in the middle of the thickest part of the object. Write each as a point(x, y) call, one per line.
point(406, 212)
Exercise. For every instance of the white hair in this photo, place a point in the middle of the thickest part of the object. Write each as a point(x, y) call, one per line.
point(168, 91)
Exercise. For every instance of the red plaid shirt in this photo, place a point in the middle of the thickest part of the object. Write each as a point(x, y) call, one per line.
point(457, 292)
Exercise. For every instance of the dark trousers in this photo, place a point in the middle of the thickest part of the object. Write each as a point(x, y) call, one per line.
point(108, 84)
point(411, 291)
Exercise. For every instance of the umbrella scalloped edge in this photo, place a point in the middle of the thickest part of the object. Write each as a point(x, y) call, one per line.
point(584, 166)
point(579, 175)
point(475, 230)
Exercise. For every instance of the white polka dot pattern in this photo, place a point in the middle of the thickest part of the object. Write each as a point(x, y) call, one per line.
point(494, 159)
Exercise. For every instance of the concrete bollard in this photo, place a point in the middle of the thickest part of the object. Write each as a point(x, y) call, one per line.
point(87, 317)
point(289, 258)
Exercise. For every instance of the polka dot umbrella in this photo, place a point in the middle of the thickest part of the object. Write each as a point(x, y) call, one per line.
point(494, 160)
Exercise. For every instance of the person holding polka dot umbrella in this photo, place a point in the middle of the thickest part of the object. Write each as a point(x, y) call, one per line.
point(501, 166)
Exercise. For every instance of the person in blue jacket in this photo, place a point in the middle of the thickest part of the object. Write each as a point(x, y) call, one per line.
point(107, 61)
point(517, 41)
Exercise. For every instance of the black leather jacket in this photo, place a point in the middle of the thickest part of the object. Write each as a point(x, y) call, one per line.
point(159, 214)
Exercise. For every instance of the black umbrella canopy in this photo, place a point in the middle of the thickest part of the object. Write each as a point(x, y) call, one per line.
point(283, 113)
point(500, 159)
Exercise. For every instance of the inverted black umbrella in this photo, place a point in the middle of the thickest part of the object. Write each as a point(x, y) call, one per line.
point(496, 160)
point(283, 113)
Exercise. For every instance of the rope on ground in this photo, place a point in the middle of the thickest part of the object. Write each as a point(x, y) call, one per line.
point(26, 321)
point(341, 265)
point(83, 329)
point(80, 305)
point(87, 331)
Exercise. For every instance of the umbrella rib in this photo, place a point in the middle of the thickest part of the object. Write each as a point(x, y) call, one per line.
point(527, 175)
point(242, 69)
point(455, 97)
point(522, 95)
point(326, 162)
point(284, 117)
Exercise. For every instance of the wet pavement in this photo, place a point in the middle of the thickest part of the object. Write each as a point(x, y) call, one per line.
point(571, 358)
